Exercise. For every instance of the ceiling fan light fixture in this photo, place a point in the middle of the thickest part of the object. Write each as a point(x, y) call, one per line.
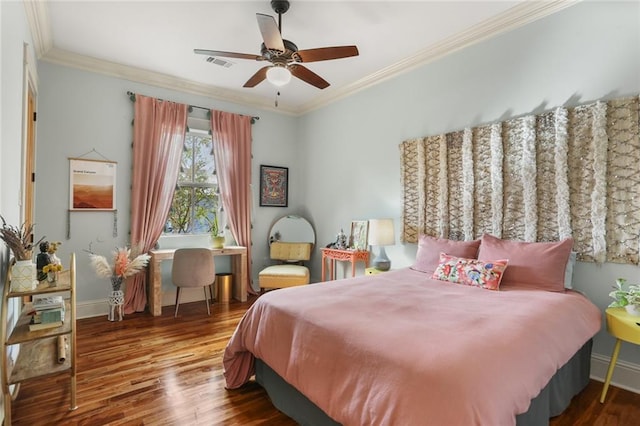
point(283, 55)
point(278, 76)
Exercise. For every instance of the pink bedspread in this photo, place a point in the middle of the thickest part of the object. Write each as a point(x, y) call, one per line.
point(399, 348)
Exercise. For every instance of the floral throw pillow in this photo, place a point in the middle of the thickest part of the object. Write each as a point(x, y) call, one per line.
point(479, 273)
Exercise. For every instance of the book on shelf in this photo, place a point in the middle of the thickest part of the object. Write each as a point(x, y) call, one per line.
point(44, 326)
point(47, 315)
point(40, 303)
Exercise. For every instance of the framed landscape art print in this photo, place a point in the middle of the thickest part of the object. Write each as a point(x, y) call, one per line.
point(92, 185)
point(274, 186)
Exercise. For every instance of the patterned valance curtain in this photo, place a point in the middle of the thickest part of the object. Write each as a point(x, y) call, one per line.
point(571, 172)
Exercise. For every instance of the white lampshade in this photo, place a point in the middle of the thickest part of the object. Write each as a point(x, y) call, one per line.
point(278, 76)
point(381, 232)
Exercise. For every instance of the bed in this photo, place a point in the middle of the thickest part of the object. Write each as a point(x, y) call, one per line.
point(404, 348)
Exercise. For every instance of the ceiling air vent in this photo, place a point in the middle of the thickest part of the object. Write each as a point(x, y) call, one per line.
point(218, 61)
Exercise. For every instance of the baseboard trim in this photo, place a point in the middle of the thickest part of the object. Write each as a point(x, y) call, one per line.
point(92, 308)
point(626, 375)
point(96, 308)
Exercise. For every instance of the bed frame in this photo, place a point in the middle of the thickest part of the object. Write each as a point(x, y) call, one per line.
point(554, 398)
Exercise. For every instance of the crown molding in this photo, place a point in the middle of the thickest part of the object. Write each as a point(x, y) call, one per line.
point(30, 66)
point(112, 69)
point(40, 26)
point(515, 17)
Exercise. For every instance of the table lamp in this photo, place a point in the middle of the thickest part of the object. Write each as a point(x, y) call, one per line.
point(381, 234)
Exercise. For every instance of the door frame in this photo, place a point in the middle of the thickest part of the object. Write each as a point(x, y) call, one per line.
point(30, 97)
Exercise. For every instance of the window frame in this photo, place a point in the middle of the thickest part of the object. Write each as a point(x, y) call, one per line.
point(192, 185)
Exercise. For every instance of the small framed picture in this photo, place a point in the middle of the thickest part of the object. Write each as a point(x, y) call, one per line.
point(274, 186)
point(359, 234)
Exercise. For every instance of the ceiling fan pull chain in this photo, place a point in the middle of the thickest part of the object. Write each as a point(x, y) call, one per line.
point(277, 94)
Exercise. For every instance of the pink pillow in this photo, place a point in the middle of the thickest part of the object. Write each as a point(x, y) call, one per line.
point(470, 271)
point(429, 249)
point(534, 265)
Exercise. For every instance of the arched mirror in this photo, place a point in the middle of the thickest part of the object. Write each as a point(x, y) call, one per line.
point(292, 229)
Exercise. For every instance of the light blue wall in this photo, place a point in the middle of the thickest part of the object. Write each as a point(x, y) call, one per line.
point(81, 111)
point(587, 52)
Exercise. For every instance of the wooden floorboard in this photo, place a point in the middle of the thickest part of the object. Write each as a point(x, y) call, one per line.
point(168, 371)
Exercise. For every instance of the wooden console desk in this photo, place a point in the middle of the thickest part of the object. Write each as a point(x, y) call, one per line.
point(352, 256)
point(238, 269)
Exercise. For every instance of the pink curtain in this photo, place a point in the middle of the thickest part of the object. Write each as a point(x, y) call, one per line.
point(232, 150)
point(158, 137)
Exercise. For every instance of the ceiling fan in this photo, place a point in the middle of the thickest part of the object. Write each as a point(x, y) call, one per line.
point(284, 55)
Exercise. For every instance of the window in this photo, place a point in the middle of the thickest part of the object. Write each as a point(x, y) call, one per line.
point(195, 202)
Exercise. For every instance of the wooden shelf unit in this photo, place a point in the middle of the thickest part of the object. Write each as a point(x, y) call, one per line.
point(38, 353)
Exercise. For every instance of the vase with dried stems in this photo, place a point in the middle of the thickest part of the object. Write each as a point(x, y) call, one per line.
point(18, 239)
point(126, 263)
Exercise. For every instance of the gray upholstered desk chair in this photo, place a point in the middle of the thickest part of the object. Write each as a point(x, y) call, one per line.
point(193, 267)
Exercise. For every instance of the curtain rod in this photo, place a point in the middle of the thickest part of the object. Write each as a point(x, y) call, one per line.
point(132, 97)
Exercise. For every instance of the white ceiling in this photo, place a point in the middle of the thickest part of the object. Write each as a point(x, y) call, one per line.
point(153, 41)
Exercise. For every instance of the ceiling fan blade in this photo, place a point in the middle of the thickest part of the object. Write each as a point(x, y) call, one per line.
point(308, 76)
point(228, 54)
point(258, 77)
point(270, 32)
point(326, 53)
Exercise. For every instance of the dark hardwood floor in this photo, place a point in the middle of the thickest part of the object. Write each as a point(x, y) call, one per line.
point(168, 371)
